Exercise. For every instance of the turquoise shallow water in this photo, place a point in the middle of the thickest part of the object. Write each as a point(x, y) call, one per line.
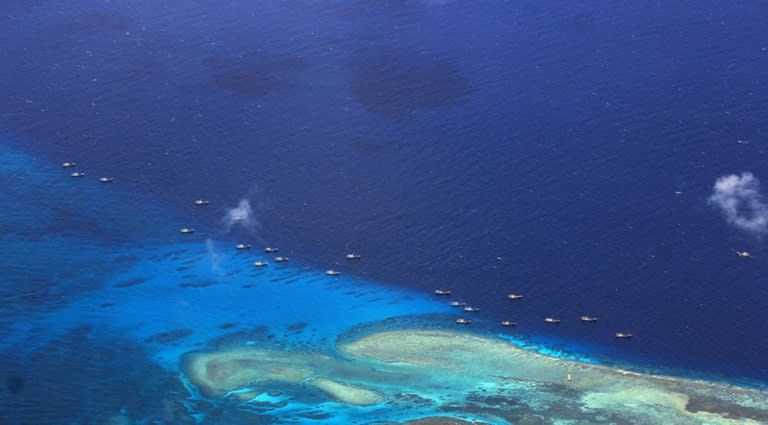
point(103, 296)
point(79, 252)
point(91, 268)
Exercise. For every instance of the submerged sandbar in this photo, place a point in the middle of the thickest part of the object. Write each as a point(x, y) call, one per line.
point(462, 375)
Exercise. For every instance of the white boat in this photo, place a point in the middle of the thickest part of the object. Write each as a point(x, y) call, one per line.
point(78, 174)
point(332, 272)
point(187, 230)
point(242, 246)
point(353, 256)
point(68, 164)
point(106, 179)
point(260, 263)
point(201, 202)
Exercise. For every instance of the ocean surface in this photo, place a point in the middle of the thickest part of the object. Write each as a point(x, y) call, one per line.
point(568, 152)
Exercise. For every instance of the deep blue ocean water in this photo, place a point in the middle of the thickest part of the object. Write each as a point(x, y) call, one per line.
point(563, 151)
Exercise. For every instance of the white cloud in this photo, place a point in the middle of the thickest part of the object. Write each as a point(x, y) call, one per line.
point(740, 201)
point(242, 217)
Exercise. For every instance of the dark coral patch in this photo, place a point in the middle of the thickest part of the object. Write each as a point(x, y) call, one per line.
point(171, 336)
point(296, 327)
point(44, 384)
point(442, 420)
point(198, 284)
point(236, 339)
point(316, 416)
point(698, 403)
point(130, 282)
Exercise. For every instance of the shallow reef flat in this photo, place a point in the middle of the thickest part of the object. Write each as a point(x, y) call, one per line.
point(220, 372)
point(347, 393)
point(446, 377)
point(442, 420)
point(626, 397)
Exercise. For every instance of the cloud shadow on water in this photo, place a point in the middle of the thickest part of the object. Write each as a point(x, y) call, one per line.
point(101, 21)
point(395, 82)
point(403, 10)
point(256, 74)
